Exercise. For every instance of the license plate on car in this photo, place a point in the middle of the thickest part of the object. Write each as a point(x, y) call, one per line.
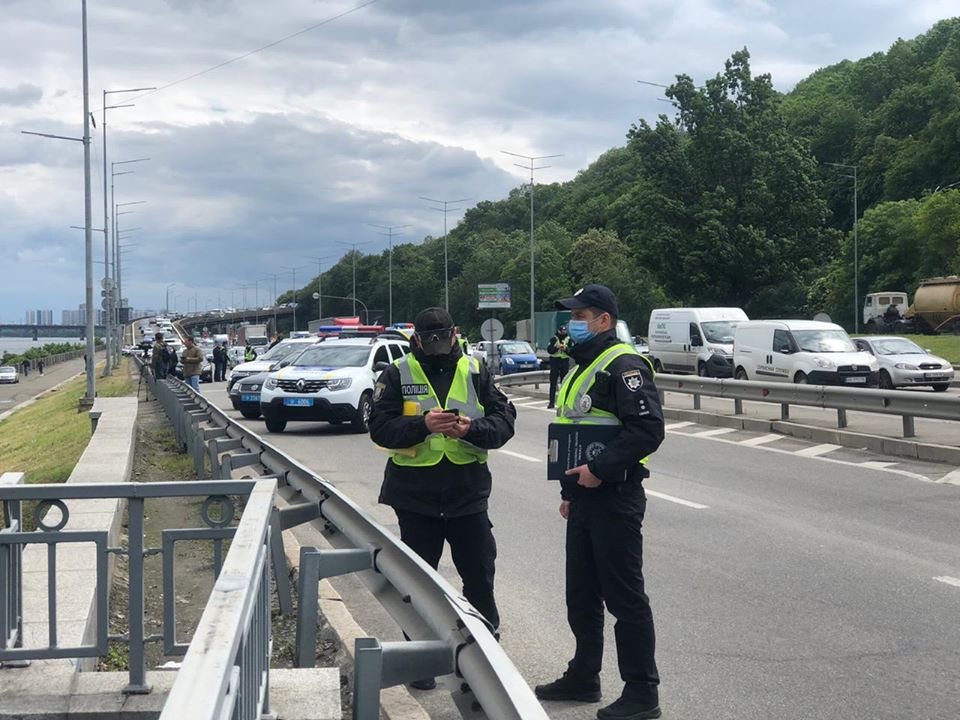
point(298, 402)
point(250, 398)
point(931, 376)
point(857, 380)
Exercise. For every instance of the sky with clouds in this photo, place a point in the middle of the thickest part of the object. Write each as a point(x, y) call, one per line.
point(293, 151)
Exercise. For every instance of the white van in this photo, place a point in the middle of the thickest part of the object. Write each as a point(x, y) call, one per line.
point(694, 340)
point(801, 351)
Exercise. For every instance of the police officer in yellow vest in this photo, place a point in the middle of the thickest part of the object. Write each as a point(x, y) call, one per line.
point(559, 360)
point(603, 503)
point(439, 412)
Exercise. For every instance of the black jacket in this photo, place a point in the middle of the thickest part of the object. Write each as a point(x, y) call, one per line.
point(629, 393)
point(444, 490)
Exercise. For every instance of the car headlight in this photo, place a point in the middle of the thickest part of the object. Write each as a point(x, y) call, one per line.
point(339, 383)
point(873, 364)
point(825, 363)
point(906, 366)
point(717, 350)
point(270, 384)
point(508, 361)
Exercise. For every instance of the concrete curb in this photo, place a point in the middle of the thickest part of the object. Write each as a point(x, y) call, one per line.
point(396, 703)
point(898, 447)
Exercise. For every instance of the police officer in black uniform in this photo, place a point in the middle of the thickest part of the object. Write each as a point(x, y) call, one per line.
point(559, 360)
point(603, 503)
point(445, 501)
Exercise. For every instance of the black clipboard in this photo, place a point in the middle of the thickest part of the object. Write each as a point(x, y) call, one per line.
point(571, 445)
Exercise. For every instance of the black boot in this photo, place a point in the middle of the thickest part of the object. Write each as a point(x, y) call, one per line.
point(425, 684)
point(570, 687)
point(636, 703)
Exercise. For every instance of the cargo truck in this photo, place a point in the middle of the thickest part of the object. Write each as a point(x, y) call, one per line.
point(252, 335)
point(935, 309)
point(547, 324)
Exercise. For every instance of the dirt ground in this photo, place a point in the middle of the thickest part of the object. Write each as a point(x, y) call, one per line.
point(158, 459)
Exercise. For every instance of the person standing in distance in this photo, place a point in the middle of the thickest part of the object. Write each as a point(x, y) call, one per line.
point(438, 412)
point(559, 361)
point(603, 503)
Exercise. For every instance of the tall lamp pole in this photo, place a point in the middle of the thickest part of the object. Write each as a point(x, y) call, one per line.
point(856, 246)
point(274, 302)
point(319, 282)
point(531, 160)
point(389, 234)
point(353, 246)
point(446, 275)
point(293, 270)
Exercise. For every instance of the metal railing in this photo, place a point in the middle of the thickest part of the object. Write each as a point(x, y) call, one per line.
point(240, 600)
point(908, 405)
point(450, 637)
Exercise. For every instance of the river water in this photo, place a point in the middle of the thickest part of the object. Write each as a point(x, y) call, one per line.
point(19, 345)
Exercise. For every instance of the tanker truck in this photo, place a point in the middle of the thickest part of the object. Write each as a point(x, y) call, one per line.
point(935, 309)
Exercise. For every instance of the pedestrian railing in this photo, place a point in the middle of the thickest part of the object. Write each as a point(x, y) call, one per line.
point(234, 666)
point(450, 637)
point(908, 405)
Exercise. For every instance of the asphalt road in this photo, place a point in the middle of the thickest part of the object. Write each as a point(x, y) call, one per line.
point(784, 585)
point(13, 394)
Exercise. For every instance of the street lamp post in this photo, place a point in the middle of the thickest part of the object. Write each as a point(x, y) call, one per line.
point(274, 303)
point(354, 246)
point(320, 282)
point(532, 159)
point(166, 307)
point(856, 247)
point(446, 276)
point(389, 234)
point(366, 311)
point(293, 270)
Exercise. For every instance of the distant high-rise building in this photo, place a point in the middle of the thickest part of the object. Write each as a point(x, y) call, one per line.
point(30, 318)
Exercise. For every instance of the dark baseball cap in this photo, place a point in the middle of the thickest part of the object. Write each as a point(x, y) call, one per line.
point(433, 318)
point(591, 296)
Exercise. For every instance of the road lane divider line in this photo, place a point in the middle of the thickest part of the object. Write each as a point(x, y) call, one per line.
point(951, 477)
point(876, 464)
point(521, 456)
point(677, 425)
point(761, 439)
point(518, 398)
point(535, 403)
point(946, 579)
point(817, 450)
point(675, 499)
point(714, 432)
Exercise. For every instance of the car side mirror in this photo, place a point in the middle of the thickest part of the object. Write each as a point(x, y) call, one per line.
point(785, 349)
point(696, 342)
point(380, 366)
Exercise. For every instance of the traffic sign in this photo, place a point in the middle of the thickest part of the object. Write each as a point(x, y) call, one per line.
point(106, 283)
point(491, 330)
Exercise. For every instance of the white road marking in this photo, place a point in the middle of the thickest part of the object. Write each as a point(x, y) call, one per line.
point(714, 432)
point(518, 398)
point(952, 477)
point(674, 499)
point(536, 403)
point(876, 464)
point(761, 439)
point(817, 450)
point(677, 425)
point(948, 580)
point(520, 456)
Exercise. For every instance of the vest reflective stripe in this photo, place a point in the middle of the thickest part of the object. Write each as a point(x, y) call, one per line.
point(462, 397)
point(576, 387)
point(562, 347)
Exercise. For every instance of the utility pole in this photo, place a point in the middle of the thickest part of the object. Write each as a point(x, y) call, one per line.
point(389, 234)
point(319, 282)
point(354, 254)
point(532, 160)
point(856, 248)
point(293, 270)
point(446, 275)
point(274, 303)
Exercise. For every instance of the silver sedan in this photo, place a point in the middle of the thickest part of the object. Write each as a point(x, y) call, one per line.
point(903, 363)
point(9, 374)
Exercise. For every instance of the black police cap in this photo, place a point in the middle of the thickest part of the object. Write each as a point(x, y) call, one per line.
point(434, 318)
point(591, 296)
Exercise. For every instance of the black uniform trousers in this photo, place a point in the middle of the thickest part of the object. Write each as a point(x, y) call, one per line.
point(604, 549)
point(558, 370)
point(472, 546)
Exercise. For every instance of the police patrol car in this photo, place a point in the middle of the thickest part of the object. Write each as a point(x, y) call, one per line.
point(331, 381)
point(270, 360)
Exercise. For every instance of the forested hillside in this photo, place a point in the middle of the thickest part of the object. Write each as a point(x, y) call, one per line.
point(731, 200)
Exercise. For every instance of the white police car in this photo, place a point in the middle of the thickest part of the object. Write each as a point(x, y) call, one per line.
point(269, 360)
point(331, 381)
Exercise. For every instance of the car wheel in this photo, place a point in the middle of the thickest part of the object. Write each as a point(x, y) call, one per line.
point(800, 378)
point(702, 369)
point(275, 426)
point(250, 414)
point(886, 383)
point(941, 387)
point(742, 374)
point(657, 367)
point(361, 421)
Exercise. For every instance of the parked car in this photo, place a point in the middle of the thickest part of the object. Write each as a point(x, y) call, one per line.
point(903, 363)
point(801, 351)
point(694, 340)
point(331, 381)
point(512, 356)
point(245, 395)
point(9, 374)
point(270, 359)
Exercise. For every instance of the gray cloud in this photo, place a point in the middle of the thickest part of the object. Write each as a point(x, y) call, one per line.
point(23, 94)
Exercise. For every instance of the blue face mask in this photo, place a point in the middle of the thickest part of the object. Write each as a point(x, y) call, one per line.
point(579, 331)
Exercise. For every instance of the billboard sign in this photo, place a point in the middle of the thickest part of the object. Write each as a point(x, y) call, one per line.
point(493, 296)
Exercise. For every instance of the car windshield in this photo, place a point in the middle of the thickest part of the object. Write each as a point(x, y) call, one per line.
point(824, 341)
point(279, 352)
point(516, 348)
point(8, 369)
point(897, 346)
point(719, 331)
point(333, 356)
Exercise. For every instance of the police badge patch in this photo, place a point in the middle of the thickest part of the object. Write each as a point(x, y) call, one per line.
point(585, 404)
point(378, 391)
point(633, 379)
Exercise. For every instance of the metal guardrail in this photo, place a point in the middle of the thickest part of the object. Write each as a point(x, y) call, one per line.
point(449, 635)
point(908, 405)
point(240, 601)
